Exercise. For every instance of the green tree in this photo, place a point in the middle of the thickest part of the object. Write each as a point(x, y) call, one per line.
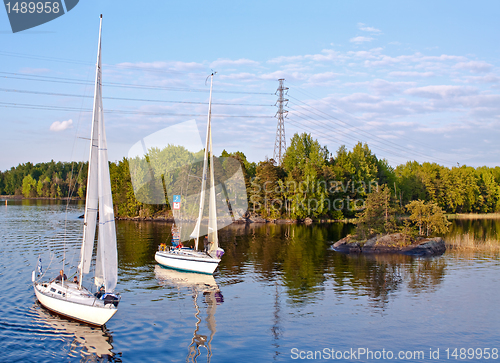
point(305, 163)
point(2, 183)
point(39, 188)
point(379, 214)
point(269, 194)
point(428, 216)
point(29, 186)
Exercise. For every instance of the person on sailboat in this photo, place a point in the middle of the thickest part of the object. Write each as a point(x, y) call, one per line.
point(75, 280)
point(61, 277)
point(100, 293)
point(206, 244)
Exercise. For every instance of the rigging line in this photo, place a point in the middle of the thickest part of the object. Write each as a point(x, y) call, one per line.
point(370, 136)
point(352, 115)
point(296, 124)
point(65, 108)
point(71, 190)
point(40, 78)
point(129, 99)
point(378, 147)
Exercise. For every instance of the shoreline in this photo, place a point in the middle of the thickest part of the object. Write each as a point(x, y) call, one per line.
point(471, 216)
point(256, 218)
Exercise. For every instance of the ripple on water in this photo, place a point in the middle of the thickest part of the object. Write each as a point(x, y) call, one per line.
point(273, 300)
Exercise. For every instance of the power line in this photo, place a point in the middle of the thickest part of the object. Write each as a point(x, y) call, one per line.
point(325, 136)
point(129, 99)
point(65, 108)
point(362, 131)
point(309, 119)
point(73, 61)
point(366, 134)
point(40, 78)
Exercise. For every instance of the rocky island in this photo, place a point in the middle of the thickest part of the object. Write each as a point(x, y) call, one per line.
point(392, 243)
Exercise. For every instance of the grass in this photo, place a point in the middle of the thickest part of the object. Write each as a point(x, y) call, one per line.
point(468, 242)
point(474, 216)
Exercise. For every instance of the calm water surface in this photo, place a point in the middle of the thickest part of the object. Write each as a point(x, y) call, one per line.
point(276, 289)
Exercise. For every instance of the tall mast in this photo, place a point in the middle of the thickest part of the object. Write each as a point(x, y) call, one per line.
point(196, 231)
point(212, 212)
point(91, 201)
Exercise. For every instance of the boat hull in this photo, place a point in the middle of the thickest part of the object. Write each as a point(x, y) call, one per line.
point(81, 311)
point(193, 262)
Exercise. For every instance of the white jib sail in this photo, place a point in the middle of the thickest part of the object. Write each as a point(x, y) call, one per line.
point(99, 195)
point(212, 210)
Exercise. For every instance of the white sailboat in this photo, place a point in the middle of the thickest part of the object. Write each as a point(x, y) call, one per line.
point(72, 299)
point(189, 259)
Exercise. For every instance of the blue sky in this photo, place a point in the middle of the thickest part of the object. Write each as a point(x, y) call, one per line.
point(416, 80)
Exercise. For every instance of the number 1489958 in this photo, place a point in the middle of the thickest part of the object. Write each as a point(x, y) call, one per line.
point(471, 353)
point(32, 7)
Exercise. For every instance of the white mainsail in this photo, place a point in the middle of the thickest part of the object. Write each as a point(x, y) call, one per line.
point(212, 211)
point(65, 297)
point(99, 194)
point(208, 146)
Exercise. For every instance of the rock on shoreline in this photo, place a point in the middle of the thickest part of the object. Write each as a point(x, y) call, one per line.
point(392, 243)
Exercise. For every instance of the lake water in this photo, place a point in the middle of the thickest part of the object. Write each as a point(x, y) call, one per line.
point(279, 292)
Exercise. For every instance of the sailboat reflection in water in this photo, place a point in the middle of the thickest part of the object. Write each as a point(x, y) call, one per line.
point(208, 288)
point(84, 340)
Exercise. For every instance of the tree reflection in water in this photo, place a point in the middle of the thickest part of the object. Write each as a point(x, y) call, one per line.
point(380, 276)
point(300, 258)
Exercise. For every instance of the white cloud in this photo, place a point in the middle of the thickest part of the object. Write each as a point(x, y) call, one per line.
point(229, 62)
point(360, 39)
point(474, 66)
point(441, 91)
point(284, 59)
point(34, 70)
point(411, 74)
point(370, 29)
point(61, 125)
point(482, 79)
point(366, 54)
point(292, 76)
point(386, 88)
point(422, 61)
point(164, 66)
point(322, 77)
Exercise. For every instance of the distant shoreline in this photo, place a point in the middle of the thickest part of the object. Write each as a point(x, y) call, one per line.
point(20, 197)
point(256, 219)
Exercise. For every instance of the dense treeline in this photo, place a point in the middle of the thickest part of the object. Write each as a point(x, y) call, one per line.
point(311, 182)
point(49, 180)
